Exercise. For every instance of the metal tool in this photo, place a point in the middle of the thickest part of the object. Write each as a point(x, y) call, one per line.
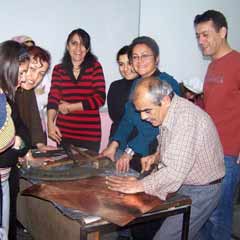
point(50, 153)
point(68, 150)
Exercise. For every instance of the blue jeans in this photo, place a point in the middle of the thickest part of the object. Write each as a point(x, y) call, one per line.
point(219, 225)
point(204, 201)
point(6, 206)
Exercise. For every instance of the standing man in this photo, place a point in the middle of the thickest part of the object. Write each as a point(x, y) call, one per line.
point(189, 156)
point(221, 100)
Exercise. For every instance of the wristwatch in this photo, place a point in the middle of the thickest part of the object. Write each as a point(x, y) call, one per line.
point(129, 151)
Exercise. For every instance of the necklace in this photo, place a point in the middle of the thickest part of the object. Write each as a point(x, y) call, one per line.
point(76, 69)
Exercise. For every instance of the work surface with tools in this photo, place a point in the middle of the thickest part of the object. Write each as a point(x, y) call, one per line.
point(38, 207)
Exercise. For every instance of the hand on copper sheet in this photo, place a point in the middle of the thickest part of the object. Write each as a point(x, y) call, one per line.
point(148, 161)
point(123, 163)
point(109, 151)
point(124, 184)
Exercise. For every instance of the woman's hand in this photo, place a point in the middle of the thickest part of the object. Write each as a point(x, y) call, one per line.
point(64, 107)
point(110, 151)
point(17, 143)
point(123, 163)
point(31, 161)
point(124, 184)
point(44, 148)
point(54, 133)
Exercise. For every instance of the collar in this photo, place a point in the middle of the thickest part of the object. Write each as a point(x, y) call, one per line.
point(167, 122)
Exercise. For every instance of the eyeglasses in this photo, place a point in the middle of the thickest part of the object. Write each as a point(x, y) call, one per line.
point(144, 57)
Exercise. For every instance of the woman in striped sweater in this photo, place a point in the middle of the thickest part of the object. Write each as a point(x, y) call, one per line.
point(77, 92)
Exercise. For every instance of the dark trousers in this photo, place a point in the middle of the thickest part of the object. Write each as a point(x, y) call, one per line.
point(14, 190)
point(146, 231)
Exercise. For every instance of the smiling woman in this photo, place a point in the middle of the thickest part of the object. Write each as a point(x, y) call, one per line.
point(77, 92)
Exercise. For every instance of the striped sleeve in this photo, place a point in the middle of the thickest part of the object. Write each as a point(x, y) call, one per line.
point(97, 99)
point(54, 95)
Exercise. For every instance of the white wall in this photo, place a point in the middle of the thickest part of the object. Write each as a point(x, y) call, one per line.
point(110, 23)
point(114, 23)
point(170, 23)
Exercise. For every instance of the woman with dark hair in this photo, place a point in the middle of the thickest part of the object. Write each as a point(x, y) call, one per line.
point(26, 109)
point(77, 92)
point(119, 90)
point(14, 63)
point(117, 97)
point(144, 55)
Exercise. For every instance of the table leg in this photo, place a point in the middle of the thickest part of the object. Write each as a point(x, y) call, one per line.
point(186, 222)
point(84, 235)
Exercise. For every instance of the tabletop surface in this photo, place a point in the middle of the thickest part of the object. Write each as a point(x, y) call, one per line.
point(92, 196)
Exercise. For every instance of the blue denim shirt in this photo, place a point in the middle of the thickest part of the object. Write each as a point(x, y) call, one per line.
point(131, 118)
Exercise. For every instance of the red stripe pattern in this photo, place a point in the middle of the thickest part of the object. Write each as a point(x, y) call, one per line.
point(89, 89)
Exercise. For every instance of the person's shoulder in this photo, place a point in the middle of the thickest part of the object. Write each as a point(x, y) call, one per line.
point(165, 75)
point(96, 63)
point(58, 66)
point(236, 54)
point(189, 110)
point(117, 82)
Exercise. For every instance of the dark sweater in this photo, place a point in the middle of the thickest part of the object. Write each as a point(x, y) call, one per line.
point(118, 95)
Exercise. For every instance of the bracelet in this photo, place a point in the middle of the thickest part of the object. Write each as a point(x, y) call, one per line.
point(129, 151)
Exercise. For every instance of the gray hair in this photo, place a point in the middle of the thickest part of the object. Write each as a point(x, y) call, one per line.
point(156, 88)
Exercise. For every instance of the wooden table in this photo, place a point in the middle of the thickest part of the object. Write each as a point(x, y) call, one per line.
point(176, 205)
point(44, 221)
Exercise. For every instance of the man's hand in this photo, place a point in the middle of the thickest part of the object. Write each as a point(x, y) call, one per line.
point(238, 160)
point(148, 161)
point(124, 184)
point(123, 163)
point(109, 151)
